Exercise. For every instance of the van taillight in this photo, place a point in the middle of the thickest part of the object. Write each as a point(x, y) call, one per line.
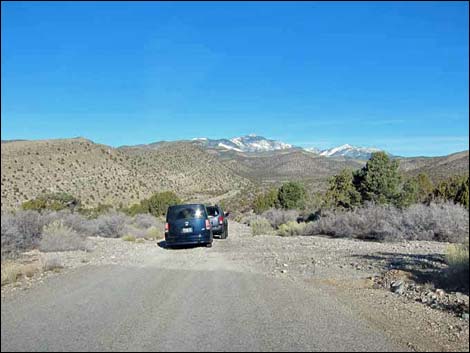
point(167, 227)
point(221, 220)
point(208, 224)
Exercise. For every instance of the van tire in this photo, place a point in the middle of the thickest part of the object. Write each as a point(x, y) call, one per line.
point(209, 245)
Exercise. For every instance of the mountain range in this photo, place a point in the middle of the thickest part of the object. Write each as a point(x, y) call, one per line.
point(254, 143)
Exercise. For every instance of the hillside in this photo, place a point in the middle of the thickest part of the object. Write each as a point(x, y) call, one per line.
point(101, 174)
point(437, 168)
point(290, 164)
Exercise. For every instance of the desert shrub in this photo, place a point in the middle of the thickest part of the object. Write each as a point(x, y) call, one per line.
point(136, 209)
point(379, 180)
point(76, 221)
point(13, 271)
point(457, 257)
point(146, 221)
point(9, 235)
point(129, 237)
point(362, 223)
point(276, 217)
point(156, 205)
point(291, 228)
point(53, 201)
point(96, 211)
point(453, 189)
point(246, 218)
point(263, 202)
point(130, 229)
point(58, 237)
point(10, 272)
point(21, 231)
point(51, 262)
point(341, 191)
point(292, 195)
point(440, 222)
point(154, 233)
point(260, 226)
point(111, 225)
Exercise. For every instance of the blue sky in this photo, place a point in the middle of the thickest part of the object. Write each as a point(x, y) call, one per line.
point(390, 75)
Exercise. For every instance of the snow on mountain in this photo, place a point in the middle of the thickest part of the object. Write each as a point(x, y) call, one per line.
point(254, 143)
point(349, 151)
point(229, 147)
point(249, 143)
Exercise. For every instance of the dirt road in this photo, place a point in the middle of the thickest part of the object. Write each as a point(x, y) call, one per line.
point(195, 299)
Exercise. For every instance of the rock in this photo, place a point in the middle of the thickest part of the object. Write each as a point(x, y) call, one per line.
point(440, 292)
point(285, 265)
point(398, 287)
point(283, 271)
point(465, 316)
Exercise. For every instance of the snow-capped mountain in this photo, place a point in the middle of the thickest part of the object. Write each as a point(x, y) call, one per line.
point(349, 152)
point(254, 143)
point(248, 143)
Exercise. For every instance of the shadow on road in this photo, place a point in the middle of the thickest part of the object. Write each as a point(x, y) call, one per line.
point(429, 268)
point(164, 245)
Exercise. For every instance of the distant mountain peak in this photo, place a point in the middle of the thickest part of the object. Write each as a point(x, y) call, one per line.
point(255, 143)
point(247, 143)
point(349, 151)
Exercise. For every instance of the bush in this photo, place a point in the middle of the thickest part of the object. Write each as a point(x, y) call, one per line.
point(457, 257)
point(276, 217)
point(51, 262)
point(21, 231)
point(266, 201)
point(291, 229)
point(154, 233)
point(12, 271)
point(96, 211)
point(9, 235)
point(53, 201)
point(146, 221)
point(260, 226)
point(439, 222)
point(453, 189)
point(111, 225)
point(58, 237)
point(292, 195)
point(341, 191)
point(129, 238)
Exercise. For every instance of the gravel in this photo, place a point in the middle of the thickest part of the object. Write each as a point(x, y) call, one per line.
point(383, 283)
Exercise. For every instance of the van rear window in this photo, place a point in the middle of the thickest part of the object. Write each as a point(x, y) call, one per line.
point(185, 212)
point(212, 211)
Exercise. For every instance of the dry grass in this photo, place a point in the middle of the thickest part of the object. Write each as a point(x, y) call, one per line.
point(457, 257)
point(153, 233)
point(291, 228)
point(129, 237)
point(50, 262)
point(261, 226)
point(14, 271)
point(58, 237)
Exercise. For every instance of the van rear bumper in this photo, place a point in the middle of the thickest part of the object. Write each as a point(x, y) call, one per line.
point(189, 239)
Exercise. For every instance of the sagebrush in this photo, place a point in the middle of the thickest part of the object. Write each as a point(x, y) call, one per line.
point(446, 222)
point(26, 230)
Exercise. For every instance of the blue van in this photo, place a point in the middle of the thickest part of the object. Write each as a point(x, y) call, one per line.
point(188, 225)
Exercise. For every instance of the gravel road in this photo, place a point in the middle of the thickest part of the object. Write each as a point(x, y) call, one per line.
point(196, 299)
